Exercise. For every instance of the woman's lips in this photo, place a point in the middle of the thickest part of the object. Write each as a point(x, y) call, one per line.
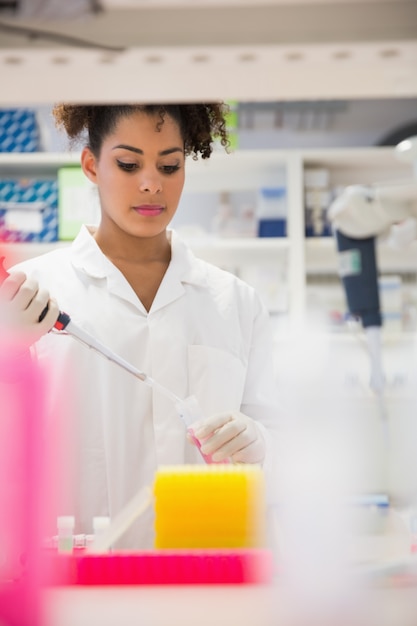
point(149, 210)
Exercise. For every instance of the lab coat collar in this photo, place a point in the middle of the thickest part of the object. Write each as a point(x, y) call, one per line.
point(184, 268)
point(87, 256)
point(188, 267)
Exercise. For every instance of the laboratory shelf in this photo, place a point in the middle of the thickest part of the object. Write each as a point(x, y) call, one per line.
point(236, 170)
point(15, 164)
point(321, 257)
point(355, 159)
point(402, 261)
point(240, 251)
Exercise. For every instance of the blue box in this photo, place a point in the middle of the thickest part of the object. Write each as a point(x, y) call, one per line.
point(272, 227)
point(29, 210)
point(19, 131)
point(271, 212)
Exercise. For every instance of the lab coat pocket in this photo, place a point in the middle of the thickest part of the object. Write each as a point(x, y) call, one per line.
point(216, 378)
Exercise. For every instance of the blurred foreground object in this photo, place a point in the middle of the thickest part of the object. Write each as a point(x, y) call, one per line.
point(21, 490)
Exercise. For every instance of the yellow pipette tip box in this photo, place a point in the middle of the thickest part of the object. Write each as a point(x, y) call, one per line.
point(209, 506)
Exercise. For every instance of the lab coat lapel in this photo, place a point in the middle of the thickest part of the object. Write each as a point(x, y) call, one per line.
point(183, 269)
point(89, 259)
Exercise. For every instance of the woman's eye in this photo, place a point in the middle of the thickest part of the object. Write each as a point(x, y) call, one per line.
point(170, 169)
point(127, 167)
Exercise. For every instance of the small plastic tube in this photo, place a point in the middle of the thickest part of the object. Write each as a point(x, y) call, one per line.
point(65, 524)
point(190, 411)
point(100, 523)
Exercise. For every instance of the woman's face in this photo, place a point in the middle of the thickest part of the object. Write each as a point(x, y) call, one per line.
point(139, 174)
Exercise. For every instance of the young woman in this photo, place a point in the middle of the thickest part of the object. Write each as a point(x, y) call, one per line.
point(133, 284)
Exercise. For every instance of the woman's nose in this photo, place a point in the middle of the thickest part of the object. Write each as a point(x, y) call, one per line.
point(150, 183)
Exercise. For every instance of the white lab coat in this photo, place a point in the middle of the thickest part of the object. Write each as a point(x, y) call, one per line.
point(207, 334)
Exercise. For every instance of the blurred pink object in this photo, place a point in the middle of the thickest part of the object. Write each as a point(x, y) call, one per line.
point(21, 489)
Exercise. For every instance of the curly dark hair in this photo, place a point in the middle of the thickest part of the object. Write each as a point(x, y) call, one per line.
point(200, 124)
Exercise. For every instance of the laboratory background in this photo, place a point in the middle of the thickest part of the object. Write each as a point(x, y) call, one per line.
point(322, 98)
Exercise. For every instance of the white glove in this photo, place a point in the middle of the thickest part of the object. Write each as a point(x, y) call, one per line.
point(232, 436)
point(21, 303)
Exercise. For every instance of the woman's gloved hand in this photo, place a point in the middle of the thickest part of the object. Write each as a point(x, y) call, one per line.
point(22, 302)
point(232, 436)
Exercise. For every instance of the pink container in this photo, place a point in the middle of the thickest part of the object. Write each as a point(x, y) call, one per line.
point(164, 567)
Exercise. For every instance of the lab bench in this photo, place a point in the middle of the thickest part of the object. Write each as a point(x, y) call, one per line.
point(265, 605)
point(376, 586)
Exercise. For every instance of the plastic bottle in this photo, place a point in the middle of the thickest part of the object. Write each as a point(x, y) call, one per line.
point(223, 221)
point(271, 206)
point(65, 524)
point(100, 523)
point(272, 212)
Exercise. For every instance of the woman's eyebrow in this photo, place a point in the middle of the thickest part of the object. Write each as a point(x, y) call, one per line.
point(139, 151)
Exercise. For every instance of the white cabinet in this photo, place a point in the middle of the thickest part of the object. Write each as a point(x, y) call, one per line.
point(246, 170)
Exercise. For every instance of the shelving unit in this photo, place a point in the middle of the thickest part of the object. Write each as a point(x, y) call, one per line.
point(246, 170)
point(46, 164)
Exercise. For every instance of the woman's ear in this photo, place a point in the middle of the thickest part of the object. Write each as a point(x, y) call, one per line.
point(88, 164)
